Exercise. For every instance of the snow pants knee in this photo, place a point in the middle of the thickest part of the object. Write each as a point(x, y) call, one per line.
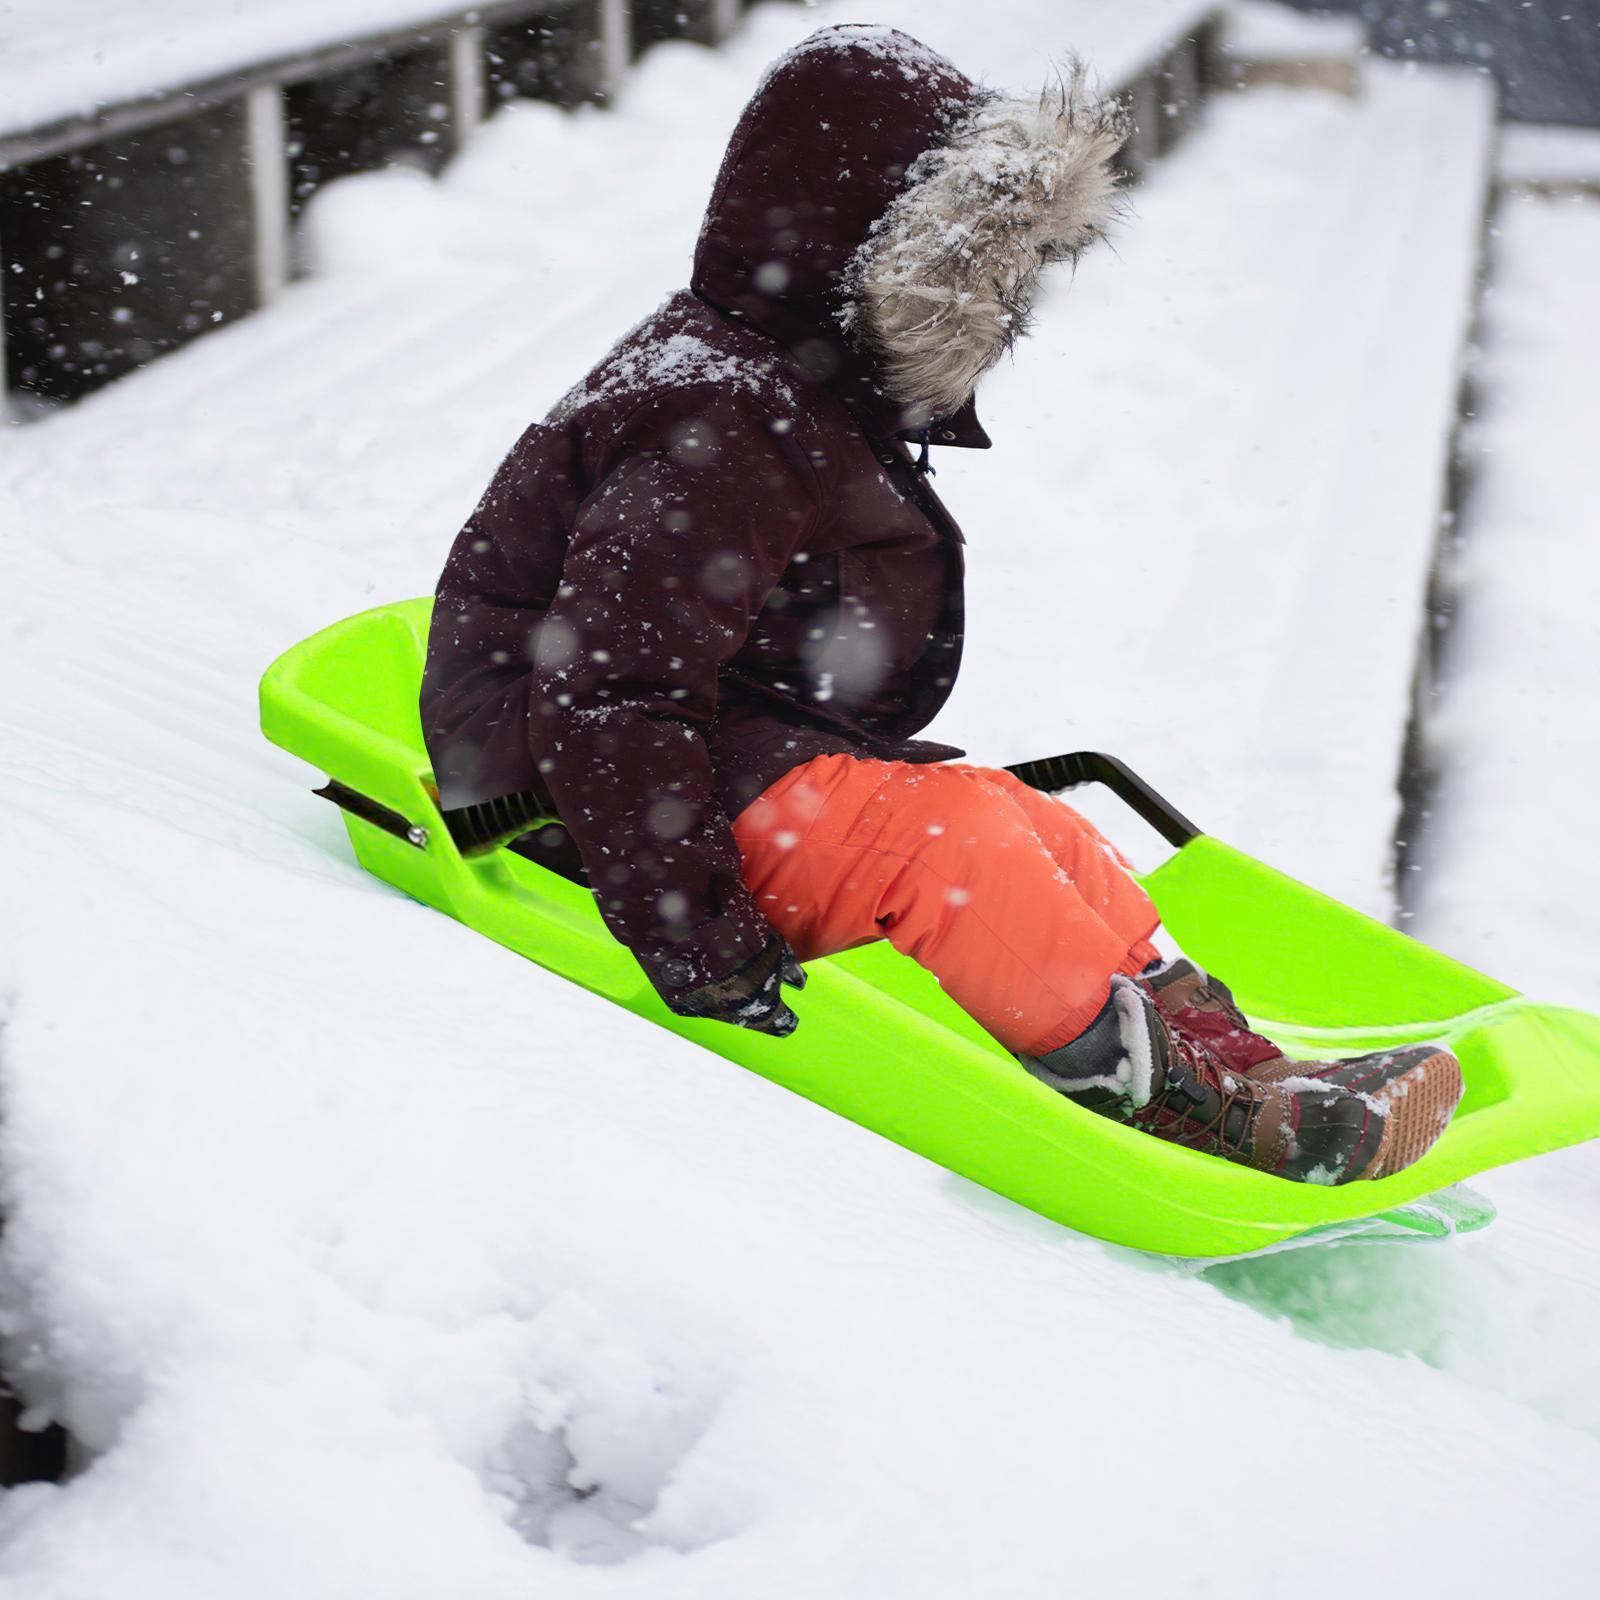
point(1017, 904)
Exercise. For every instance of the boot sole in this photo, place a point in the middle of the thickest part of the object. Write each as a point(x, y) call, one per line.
point(1415, 1090)
point(1417, 1105)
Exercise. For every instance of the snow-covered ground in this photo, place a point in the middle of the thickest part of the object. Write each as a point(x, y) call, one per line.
point(369, 1261)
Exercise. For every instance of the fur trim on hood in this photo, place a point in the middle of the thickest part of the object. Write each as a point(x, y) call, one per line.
point(943, 285)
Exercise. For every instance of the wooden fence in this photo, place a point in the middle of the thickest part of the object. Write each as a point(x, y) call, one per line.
point(128, 232)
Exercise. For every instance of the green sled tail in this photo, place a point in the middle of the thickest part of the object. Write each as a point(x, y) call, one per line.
point(884, 1046)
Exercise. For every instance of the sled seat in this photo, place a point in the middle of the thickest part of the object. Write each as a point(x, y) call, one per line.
point(881, 1044)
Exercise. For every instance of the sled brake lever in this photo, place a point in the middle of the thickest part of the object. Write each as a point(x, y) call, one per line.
point(1052, 774)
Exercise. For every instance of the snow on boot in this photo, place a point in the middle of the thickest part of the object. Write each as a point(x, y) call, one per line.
point(1133, 1064)
point(1415, 1088)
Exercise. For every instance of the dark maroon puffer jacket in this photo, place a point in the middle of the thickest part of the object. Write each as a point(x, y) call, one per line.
point(714, 559)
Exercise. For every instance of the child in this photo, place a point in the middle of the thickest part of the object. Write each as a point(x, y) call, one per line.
point(705, 605)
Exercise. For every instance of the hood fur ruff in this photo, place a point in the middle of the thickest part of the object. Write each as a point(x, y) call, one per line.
point(943, 286)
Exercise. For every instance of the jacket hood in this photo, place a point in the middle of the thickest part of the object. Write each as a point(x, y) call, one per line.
point(885, 217)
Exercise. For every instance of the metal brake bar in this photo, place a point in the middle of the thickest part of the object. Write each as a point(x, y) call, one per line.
point(380, 816)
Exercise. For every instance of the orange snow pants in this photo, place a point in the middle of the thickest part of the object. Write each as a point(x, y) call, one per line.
point(1018, 905)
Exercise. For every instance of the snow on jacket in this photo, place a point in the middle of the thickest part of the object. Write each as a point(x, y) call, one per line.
point(715, 559)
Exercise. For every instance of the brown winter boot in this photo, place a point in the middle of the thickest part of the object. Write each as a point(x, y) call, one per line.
point(1204, 1008)
point(1133, 1064)
point(1416, 1088)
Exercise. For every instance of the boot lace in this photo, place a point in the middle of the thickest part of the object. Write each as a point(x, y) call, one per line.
point(1193, 1107)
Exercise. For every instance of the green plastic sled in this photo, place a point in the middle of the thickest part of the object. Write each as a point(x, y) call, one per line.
point(881, 1044)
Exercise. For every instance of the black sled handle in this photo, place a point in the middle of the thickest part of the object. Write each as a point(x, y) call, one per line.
point(1052, 774)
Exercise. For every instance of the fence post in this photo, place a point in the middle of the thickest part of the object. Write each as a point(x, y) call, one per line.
point(468, 83)
point(616, 45)
point(267, 145)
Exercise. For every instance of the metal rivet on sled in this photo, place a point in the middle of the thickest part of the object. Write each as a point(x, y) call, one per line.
point(418, 837)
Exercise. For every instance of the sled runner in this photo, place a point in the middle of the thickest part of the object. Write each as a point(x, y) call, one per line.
point(884, 1046)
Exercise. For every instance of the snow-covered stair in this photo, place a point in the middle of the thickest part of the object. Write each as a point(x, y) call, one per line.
point(1508, 867)
point(1204, 539)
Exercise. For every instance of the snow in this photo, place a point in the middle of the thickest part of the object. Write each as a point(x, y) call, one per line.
point(62, 58)
point(1539, 153)
point(682, 360)
point(367, 1260)
point(1508, 872)
point(1258, 30)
